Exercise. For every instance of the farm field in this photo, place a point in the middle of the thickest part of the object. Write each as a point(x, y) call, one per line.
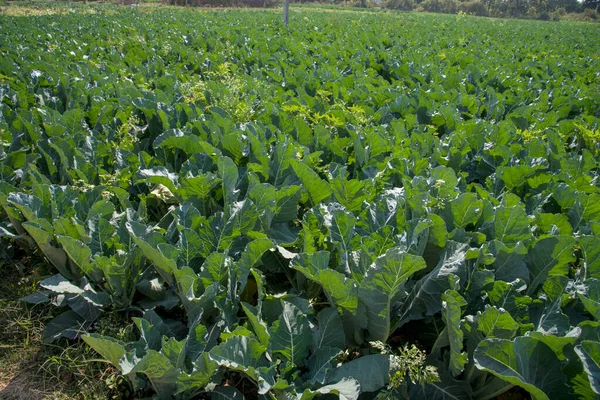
point(372, 205)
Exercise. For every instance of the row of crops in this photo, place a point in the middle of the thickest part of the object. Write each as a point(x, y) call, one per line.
point(373, 205)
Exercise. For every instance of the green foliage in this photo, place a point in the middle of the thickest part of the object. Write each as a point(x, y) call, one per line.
point(262, 204)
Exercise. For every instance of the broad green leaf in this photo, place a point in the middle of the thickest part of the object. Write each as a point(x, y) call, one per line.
point(320, 363)
point(109, 348)
point(290, 335)
point(465, 210)
point(346, 389)
point(549, 256)
point(159, 176)
point(591, 302)
point(383, 212)
point(286, 207)
point(310, 264)
point(511, 225)
point(550, 319)
point(176, 139)
point(240, 353)
point(229, 175)
point(318, 190)
point(101, 232)
point(586, 208)
point(383, 286)
point(327, 331)
point(341, 226)
point(59, 284)
point(161, 373)
point(150, 335)
point(589, 353)
point(549, 223)
point(591, 250)
point(372, 372)
point(86, 303)
point(438, 234)
point(451, 314)
point(174, 350)
point(283, 153)
point(196, 341)
point(525, 362)
point(68, 324)
point(516, 176)
point(284, 234)
point(349, 193)
point(215, 269)
point(238, 331)
point(496, 323)
point(424, 298)
point(57, 256)
point(149, 242)
point(81, 256)
point(32, 207)
point(188, 216)
point(241, 218)
point(264, 198)
point(510, 297)
point(101, 209)
point(187, 281)
point(198, 187)
point(341, 291)
point(66, 227)
point(492, 323)
point(510, 262)
point(190, 246)
point(258, 325)
point(195, 382)
point(562, 346)
point(444, 181)
point(233, 144)
point(253, 253)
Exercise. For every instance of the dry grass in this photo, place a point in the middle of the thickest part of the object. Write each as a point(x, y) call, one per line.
point(30, 369)
point(19, 376)
point(20, 341)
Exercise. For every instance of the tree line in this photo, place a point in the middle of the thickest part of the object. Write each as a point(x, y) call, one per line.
point(540, 9)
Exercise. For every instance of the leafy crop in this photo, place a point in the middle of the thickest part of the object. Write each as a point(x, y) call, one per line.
point(391, 206)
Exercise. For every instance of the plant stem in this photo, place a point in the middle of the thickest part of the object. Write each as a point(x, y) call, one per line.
point(437, 344)
point(494, 394)
point(469, 372)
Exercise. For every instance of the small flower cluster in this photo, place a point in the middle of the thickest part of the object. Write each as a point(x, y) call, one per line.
point(409, 362)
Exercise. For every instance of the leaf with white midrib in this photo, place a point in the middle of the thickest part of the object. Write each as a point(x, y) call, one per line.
point(383, 284)
point(328, 331)
point(321, 362)
point(291, 335)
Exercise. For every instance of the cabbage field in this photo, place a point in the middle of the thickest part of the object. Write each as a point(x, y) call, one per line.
point(367, 205)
